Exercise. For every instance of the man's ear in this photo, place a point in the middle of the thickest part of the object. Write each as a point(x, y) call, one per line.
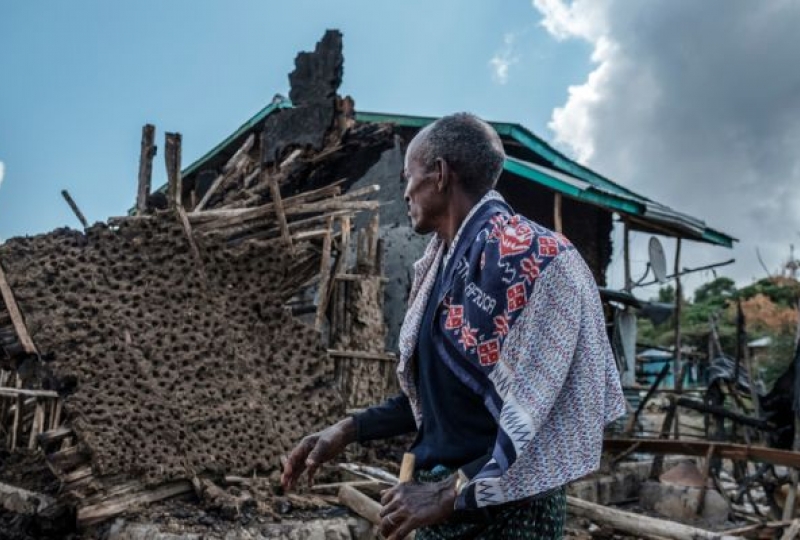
point(443, 175)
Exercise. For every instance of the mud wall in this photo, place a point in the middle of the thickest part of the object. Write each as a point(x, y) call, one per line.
point(172, 368)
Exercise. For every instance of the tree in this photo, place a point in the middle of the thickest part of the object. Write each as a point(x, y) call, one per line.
point(717, 291)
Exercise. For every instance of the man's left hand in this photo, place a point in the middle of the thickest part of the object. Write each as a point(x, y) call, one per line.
point(412, 505)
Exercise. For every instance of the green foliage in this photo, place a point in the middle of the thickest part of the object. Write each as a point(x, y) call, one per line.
point(783, 292)
point(715, 292)
point(716, 299)
point(666, 294)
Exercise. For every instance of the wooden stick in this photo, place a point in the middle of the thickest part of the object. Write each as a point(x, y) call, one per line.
point(15, 430)
point(55, 420)
point(145, 167)
point(359, 277)
point(643, 403)
point(325, 277)
point(187, 231)
point(792, 531)
point(117, 505)
point(407, 467)
point(360, 504)
point(208, 194)
point(362, 355)
point(233, 163)
point(239, 215)
point(280, 212)
point(701, 497)
point(55, 435)
point(37, 425)
point(172, 158)
point(16, 316)
point(639, 525)
point(372, 473)
point(557, 213)
point(74, 207)
point(13, 392)
point(352, 483)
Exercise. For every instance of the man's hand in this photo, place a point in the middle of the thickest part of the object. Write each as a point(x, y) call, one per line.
point(412, 505)
point(316, 449)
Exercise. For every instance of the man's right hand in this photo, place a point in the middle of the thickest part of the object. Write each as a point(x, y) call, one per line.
point(316, 449)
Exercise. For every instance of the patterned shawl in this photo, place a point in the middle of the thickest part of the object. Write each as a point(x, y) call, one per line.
point(519, 322)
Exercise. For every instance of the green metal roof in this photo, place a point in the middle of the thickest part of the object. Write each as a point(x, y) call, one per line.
point(562, 175)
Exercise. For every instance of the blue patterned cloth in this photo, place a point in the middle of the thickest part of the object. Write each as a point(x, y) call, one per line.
point(521, 324)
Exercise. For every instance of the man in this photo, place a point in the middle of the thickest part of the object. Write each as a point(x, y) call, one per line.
point(505, 367)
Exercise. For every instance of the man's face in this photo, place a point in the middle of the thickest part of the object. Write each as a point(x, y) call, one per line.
point(426, 204)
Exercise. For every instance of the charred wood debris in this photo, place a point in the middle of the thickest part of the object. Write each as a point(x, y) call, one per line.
point(280, 195)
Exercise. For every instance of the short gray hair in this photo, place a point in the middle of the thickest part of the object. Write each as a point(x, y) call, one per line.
point(470, 146)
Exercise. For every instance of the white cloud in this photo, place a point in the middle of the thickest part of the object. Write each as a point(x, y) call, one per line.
point(691, 104)
point(503, 60)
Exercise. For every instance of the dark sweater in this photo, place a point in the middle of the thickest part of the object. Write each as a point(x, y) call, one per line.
point(457, 430)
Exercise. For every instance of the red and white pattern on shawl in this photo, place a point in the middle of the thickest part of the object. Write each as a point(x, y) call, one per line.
point(555, 374)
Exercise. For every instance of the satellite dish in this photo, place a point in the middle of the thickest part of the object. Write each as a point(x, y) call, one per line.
point(658, 262)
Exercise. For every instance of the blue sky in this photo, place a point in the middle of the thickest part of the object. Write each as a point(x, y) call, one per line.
point(78, 79)
point(689, 103)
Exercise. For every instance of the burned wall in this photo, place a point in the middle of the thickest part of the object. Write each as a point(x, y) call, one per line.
point(172, 368)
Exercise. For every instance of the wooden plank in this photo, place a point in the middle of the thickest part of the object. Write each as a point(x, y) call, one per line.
point(16, 316)
point(145, 167)
point(114, 506)
point(78, 474)
point(36, 502)
point(737, 452)
point(74, 207)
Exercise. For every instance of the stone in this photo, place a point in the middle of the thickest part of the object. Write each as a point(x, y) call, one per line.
point(679, 503)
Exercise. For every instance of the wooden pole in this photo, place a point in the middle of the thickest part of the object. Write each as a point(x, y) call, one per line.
point(557, 224)
point(15, 314)
point(789, 505)
point(172, 158)
point(627, 257)
point(275, 192)
point(74, 207)
point(324, 277)
point(145, 167)
point(637, 524)
point(678, 297)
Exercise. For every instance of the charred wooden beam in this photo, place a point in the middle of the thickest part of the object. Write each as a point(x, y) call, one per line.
point(145, 167)
point(74, 207)
point(722, 411)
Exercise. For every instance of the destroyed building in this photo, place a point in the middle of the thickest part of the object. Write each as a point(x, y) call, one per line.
point(253, 299)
